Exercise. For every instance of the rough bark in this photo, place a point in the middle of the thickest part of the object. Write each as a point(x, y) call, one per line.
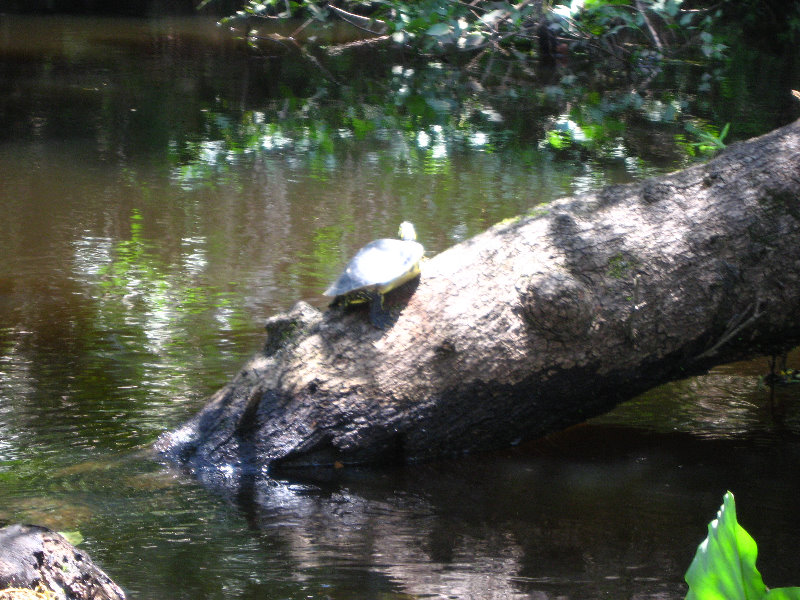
point(532, 326)
point(32, 555)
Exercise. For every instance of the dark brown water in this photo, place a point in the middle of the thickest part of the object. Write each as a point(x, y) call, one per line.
point(163, 191)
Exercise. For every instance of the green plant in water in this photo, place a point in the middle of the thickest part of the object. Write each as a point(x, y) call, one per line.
point(73, 537)
point(509, 220)
point(724, 567)
point(538, 211)
point(710, 139)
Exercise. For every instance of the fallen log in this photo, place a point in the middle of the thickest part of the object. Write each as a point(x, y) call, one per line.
point(34, 557)
point(532, 326)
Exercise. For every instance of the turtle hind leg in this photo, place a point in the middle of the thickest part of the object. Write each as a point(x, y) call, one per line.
point(379, 316)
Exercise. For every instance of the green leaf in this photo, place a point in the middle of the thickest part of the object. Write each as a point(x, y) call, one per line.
point(558, 139)
point(788, 593)
point(724, 567)
point(473, 39)
point(73, 537)
point(440, 105)
point(492, 17)
point(438, 29)
point(672, 8)
point(724, 131)
point(362, 127)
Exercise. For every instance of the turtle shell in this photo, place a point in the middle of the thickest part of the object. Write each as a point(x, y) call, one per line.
point(379, 266)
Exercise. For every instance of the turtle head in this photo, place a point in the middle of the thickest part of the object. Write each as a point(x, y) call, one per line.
point(407, 232)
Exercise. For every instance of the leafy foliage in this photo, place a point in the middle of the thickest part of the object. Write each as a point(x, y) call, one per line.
point(631, 30)
point(496, 47)
point(724, 567)
point(637, 30)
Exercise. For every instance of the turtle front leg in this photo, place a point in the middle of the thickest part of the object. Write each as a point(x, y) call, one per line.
point(379, 316)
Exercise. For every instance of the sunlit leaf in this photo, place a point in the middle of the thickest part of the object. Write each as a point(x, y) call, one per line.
point(439, 105)
point(672, 8)
point(438, 29)
point(724, 567)
point(558, 139)
point(724, 131)
point(73, 537)
point(473, 39)
point(492, 17)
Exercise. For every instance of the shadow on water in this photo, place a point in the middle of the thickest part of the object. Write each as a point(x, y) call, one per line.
point(597, 510)
point(615, 507)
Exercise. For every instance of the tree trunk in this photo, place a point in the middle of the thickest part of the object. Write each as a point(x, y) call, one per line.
point(530, 327)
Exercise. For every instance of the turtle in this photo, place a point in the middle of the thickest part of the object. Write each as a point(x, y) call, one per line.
point(377, 268)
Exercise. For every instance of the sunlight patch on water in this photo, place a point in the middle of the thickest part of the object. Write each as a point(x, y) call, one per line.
point(275, 141)
point(91, 254)
point(478, 139)
point(195, 259)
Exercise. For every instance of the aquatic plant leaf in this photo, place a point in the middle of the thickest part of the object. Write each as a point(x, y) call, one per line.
point(787, 593)
point(724, 567)
point(73, 537)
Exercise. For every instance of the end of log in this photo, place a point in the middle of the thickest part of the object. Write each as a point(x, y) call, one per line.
point(31, 555)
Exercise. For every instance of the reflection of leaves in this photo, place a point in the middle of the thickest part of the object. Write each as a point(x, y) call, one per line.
point(322, 260)
point(318, 122)
point(166, 294)
point(12, 470)
point(361, 127)
point(559, 139)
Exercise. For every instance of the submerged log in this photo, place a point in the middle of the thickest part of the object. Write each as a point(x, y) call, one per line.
point(532, 326)
point(33, 556)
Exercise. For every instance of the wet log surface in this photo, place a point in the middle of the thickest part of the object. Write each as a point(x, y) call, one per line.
point(31, 555)
point(532, 326)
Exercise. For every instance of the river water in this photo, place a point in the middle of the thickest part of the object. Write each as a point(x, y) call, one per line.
point(163, 190)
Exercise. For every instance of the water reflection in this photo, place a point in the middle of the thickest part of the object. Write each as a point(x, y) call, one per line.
point(590, 512)
point(731, 402)
point(162, 192)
